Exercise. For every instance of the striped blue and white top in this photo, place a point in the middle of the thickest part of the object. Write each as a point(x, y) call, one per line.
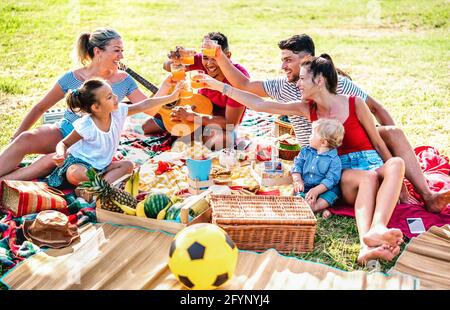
point(282, 90)
point(69, 81)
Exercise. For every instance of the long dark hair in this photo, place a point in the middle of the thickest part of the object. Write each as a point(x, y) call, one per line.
point(323, 65)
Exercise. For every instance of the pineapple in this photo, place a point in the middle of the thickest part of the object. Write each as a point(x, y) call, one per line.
point(106, 194)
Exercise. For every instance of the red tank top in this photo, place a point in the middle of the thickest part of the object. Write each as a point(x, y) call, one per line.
point(355, 136)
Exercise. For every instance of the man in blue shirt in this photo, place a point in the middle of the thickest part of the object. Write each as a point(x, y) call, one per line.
point(317, 169)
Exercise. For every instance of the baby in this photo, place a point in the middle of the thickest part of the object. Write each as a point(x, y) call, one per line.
point(317, 169)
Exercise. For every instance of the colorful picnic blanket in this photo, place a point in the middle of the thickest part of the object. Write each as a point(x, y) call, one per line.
point(436, 169)
point(13, 245)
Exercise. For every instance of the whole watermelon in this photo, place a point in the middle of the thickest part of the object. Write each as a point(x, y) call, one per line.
point(155, 203)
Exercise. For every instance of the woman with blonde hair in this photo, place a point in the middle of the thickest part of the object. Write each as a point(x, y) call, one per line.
point(99, 54)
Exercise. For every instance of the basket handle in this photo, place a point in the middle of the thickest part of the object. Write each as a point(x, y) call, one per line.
point(54, 191)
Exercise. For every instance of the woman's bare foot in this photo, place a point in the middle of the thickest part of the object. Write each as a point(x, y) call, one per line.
point(326, 214)
point(377, 236)
point(381, 252)
point(437, 201)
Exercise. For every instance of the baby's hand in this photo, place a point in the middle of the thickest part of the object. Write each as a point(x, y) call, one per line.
point(58, 159)
point(298, 187)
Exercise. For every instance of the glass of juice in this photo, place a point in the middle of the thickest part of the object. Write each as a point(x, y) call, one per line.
point(195, 79)
point(187, 56)
point(209, 47)
point(186, 91)
point(178, 72)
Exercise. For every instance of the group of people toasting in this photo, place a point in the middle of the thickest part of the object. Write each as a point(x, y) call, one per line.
point(345, 155)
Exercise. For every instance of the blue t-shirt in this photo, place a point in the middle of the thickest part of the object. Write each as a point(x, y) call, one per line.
point(69, 81)
point(315, 169)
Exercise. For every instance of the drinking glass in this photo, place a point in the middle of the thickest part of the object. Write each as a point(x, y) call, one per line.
point(178, 72)
point(209, 47)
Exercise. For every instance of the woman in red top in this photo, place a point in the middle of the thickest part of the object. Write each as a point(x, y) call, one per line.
point(370, 183)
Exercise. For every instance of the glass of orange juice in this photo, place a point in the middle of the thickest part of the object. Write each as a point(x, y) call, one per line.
point(187, 56)
point(186, 90)
point(195, 79)
point(209, 47)
point(178, 72)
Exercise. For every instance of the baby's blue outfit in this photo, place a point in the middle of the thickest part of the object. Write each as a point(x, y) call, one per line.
point(315, 169)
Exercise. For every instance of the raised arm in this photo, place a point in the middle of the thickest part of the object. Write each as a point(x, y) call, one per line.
point(236, 77)
point(151, 105)
point(367, 121)
point(256, 102)
point(49, 100)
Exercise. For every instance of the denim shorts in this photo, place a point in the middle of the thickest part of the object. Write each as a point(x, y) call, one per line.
point(65, 127)
point(159, 122)
point(364, 160)
point(58, 175)
point(329, 196)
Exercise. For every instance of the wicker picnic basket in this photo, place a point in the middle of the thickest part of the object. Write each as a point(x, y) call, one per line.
point(258, 223)
point(282, 127)
point(287, 154)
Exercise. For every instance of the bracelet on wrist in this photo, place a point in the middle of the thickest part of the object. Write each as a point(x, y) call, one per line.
point(226, 89)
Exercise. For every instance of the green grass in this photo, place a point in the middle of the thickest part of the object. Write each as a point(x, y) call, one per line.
point(398, 51)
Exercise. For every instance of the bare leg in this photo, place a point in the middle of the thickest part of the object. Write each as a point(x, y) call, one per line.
point(118, 169)
point(359, 187)
point(150, 127)
point(41, 140)
point(399, 146)
point(392, 179)
point(39, 169)
point(320, 205)
point(76, 174)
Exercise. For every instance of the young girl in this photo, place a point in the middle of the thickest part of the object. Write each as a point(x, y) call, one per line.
point(95, 137)
point(316, 171)
point(99, 53)
point(369, 182)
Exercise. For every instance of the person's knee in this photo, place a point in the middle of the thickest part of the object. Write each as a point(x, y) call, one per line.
point(76, 174)
point(24, 140)
point(127, 166)
point(395, 165)
point(391, 134)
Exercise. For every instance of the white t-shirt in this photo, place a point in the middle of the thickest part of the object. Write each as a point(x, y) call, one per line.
point(282, 90)
point(98, 147)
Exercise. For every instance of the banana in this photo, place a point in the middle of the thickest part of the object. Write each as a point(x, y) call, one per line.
point(135, 187)
point(124, 208)
point(162, 214)
point(140, 209)
point(129, 185)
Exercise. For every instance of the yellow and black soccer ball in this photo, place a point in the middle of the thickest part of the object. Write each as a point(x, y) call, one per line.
point(203, 256)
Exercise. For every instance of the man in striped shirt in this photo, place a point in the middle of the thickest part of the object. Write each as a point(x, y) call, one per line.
point(284, 89)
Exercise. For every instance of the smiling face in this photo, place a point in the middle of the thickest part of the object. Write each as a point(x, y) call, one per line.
point(111, 55)
point(306, 84)
point(107, 101)
point(212, 69)
point(290, 63)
